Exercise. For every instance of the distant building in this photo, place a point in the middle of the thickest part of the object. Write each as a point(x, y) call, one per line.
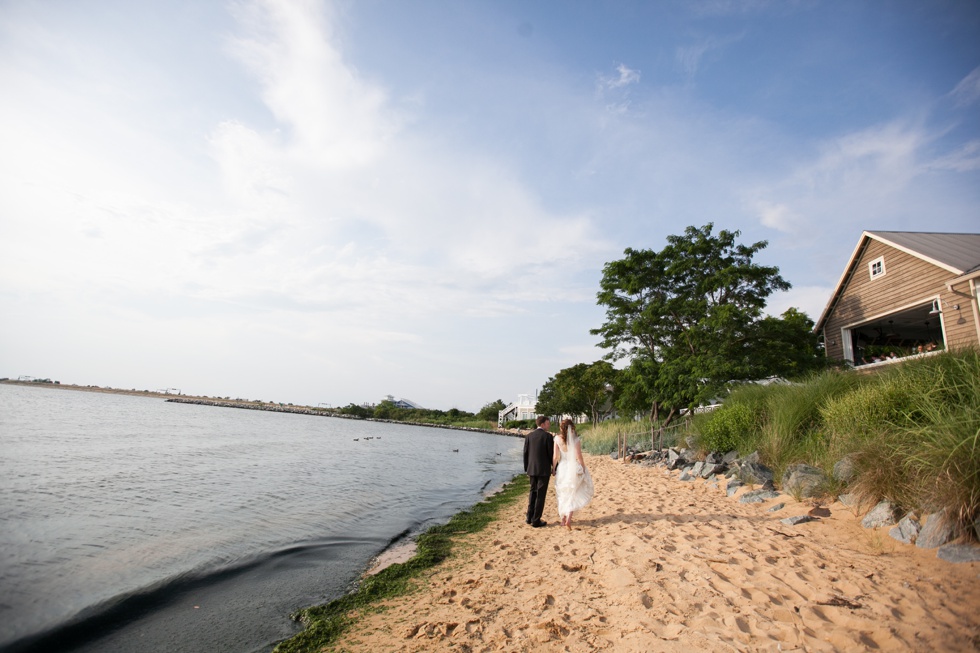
point(521, 409)
point(403, 403)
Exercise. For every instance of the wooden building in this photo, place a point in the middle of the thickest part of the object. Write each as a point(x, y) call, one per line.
point(902, 291)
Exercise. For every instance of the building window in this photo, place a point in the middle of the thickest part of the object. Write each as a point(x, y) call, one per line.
point(877, 267)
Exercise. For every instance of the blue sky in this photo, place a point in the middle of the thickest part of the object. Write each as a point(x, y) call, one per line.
point(330, 202)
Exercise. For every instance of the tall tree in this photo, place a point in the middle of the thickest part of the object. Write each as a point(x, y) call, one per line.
point(583, 388)
point(787, 346)
point(692, 308)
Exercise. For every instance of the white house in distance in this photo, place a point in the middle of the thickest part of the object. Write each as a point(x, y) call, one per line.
point(521, 409)
point(403, 403)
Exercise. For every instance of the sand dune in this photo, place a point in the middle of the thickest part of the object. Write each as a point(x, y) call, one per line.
point(655, 564)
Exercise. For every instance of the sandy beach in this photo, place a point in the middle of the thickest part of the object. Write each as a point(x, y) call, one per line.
point(656, 564)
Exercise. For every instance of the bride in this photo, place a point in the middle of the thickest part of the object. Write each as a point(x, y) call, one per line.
point(573, 483)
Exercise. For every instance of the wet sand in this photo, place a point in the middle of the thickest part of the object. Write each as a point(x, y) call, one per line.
point(656, 564)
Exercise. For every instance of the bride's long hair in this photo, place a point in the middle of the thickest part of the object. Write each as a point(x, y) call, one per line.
point(565, 425)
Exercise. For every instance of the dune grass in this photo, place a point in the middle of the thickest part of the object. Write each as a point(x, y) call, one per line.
point(601, 440)
point(325, 623)
point(911, 430)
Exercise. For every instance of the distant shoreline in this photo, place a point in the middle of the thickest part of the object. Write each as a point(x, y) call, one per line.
point(247, 405)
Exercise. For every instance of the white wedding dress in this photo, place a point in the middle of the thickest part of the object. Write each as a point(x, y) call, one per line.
point(573, 482)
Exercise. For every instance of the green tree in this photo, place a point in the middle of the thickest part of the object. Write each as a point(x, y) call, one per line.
point(787, 346)
point(692, 308)
point(491, 411)
point(583, 388)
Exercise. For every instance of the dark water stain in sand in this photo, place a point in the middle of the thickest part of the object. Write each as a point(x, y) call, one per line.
point(129, 523)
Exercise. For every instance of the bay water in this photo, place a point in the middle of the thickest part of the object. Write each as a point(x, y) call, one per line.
point(132, 524)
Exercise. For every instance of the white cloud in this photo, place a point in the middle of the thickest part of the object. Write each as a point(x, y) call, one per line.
point(968, 90)
point(689, 57)
point(809, 299)
point(335, 117)
point(626, 76)
point(778, 216)
point(963, 159)
point(856, 176)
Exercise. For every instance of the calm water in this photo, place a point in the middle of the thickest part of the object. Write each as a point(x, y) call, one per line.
point(129, 523)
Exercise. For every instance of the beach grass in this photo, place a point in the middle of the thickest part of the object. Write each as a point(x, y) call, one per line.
point(601, 440)
point(912, 431)
point(325, 623)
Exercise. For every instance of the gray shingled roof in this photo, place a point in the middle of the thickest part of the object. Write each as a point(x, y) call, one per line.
point(958, 251)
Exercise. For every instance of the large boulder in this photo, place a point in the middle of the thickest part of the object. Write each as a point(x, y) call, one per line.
point(845, 470)
point(676, 459)
point(758, 496)
point(756, 473)
point(959, 553)
point(936, 532)
point(712, 469)
point(804, 481)
point(906, 530)
point(884, 514)
point(732, 487)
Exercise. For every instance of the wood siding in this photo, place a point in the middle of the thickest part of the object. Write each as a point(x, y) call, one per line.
point(907, 280)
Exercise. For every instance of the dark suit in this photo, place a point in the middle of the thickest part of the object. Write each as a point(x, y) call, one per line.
point(538, 449)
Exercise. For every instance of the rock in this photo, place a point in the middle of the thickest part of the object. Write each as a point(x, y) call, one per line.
point(752, 458)
point(937, 531)
point(733, 486)
point(848, 500)
point(906, 530)
point(758, 496)
point(685, 476)
point(711, 470)
point(844, 470)
point(804, 481)
point(614, 455)
point(730, 457)
point(755, 473)
point(712, 458)
point(675, 460)
point(768, 485)
point(698, 467)
point(881, 515)
point(798, 519)
point(959, 553)
point(777, 507)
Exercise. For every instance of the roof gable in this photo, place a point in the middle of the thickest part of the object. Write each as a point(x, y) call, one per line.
point(955, 253)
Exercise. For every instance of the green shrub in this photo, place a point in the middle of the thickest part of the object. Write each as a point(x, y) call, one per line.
point(726, 428)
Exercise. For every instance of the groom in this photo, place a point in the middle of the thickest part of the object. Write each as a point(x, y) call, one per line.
point(538, 449)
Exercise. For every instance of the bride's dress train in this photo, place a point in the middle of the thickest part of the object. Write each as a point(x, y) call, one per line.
point(573, 482)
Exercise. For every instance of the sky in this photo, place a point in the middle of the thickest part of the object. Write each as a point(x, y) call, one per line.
point(321, 202)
